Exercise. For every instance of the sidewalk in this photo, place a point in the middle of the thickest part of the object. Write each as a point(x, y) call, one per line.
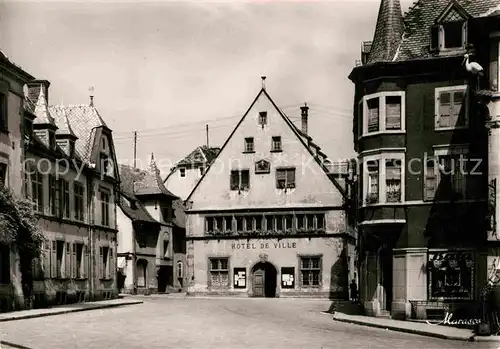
point(424, 329)
point(64, 309)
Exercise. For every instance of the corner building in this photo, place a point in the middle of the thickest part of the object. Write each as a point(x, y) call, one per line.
point(267, 218)
point(427, 218)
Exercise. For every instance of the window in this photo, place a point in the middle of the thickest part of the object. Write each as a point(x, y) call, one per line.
point(106, 262)
point(166, 252)
point(373, 115)
point(28, 130)
point(320, 221)
point(383, 176)
point(52, 140)
point(182, 172)
point(300, 221)
point(263, 118)
point(373, 174)
point(3, 112)
point(54, 195)
point(105, 208)
point(310, 270)
point(78, 251)
point(219, 272)
point(287, 277)
point(262, 166)
point(450, 32)
point(451, 275)
point(3, 173)
point(64, 187)
point(270, 223)
point(180, 270)
point(285, 178)
point(288, 222)
point(451, 107)
point(79, 201)
point(393, 113)
point(382, 112)
point(453, 33)
point(240, 180)
point(276, 144)
point(393, 180)
point(249, 145)
point(37, 190)
point(106, 165)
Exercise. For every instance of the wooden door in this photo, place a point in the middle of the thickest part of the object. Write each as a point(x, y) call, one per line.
point(258, 283)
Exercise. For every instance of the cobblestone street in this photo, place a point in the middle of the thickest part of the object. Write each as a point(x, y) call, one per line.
point(162, 322)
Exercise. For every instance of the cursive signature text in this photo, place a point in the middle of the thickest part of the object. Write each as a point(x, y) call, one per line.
point(448, 321)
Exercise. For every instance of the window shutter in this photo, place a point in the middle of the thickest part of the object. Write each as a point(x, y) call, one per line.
point(393, 113)
point(73, 262)
point(465, 34)
point(441, 37)
point(101, 264)
point(434, 38)
point(458, 99)
point(85, 261)
point(280, 179)
point(46, 259)
point(235, 180)
point(245, 179)
point(444, 109)
point(430, 182)
point(290, 178)
point(67, 261)
point(111, 264)
point(53, 260)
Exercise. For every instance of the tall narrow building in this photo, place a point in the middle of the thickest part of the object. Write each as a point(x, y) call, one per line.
point(420, 131)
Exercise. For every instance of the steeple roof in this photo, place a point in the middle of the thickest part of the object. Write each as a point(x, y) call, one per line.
point(43, 116)
point(150, 183)
point(388, 32)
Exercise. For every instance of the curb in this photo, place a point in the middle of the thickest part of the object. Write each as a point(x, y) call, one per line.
point(12, 345)
point(486, 338)
point(94, 307)
point(408, 330)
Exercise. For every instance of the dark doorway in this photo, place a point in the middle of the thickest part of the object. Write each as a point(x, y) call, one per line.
point(264, 280)
point(386, 265)
point(164, 278)
point(120, 280)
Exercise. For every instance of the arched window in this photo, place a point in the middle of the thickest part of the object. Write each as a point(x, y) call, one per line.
point(180, 270)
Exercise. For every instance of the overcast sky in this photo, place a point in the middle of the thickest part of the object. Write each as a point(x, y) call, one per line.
point(166, 69)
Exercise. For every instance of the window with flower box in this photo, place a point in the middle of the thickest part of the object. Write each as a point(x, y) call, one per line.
point(219, 272)
point(383, 176)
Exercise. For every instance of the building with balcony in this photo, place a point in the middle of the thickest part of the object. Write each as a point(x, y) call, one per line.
point(71, 176)
point(420, 131)
point(268, 217)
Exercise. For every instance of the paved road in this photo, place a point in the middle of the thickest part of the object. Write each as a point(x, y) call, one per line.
point(212, 323)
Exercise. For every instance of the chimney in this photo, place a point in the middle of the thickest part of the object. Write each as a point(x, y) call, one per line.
point(34, 90)
point(304, 114)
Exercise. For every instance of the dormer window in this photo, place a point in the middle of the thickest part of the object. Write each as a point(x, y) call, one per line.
point(52, 140)
point(71, 149)
point(450, 30)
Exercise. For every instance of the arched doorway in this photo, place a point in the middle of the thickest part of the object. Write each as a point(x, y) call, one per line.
point(142, 267)
point(264, 276)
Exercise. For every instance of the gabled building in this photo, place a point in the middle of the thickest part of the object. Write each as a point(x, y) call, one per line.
point(12, 81)
point(186, 173)
point(151, 242)
point(420, 131)
point(268, 218)
point(71, 175)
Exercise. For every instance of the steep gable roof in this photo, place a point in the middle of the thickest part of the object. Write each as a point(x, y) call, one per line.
point(299, 134)
point(143, 182)
point(42, 112)
point(135, 211)
point(200, 155)
point(62, 122)
point(84, 119)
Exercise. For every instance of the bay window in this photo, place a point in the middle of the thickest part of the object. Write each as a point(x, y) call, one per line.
point(383, 112)
point(383, 178)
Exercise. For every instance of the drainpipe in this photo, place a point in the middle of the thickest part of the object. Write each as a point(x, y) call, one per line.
point(91, 221)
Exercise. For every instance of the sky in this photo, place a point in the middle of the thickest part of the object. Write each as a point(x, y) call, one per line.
point(167, 69)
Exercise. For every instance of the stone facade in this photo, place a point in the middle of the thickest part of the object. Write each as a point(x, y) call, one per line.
point(268, 218)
